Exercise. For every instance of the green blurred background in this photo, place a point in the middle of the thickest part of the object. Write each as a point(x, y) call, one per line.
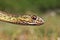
point(48, 9)
point(18, 6)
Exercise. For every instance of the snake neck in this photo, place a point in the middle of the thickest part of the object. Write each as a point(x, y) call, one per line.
point(7, 17)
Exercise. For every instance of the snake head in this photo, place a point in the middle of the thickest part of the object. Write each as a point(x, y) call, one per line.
point(40, 21)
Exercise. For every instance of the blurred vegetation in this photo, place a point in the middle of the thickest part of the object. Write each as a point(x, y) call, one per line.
point(49, 31)
point(51, 28)
point(18, 6)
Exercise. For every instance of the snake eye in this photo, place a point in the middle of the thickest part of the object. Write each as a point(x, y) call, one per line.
point(34, 17)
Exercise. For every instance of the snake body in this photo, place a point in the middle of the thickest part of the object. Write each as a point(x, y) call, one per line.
point(7, 17)
point(17, 19)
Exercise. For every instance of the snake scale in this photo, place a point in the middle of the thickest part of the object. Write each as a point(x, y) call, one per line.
point(18, 19)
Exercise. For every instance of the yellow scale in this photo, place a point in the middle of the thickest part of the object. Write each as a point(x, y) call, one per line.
point(19, 19)
point(25, 18)
point(9, 18)
point(5, 17)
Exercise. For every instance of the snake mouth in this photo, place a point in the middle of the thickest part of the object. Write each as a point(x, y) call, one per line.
point(40, 21)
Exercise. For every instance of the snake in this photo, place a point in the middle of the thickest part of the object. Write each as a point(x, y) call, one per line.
point(18, 19)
